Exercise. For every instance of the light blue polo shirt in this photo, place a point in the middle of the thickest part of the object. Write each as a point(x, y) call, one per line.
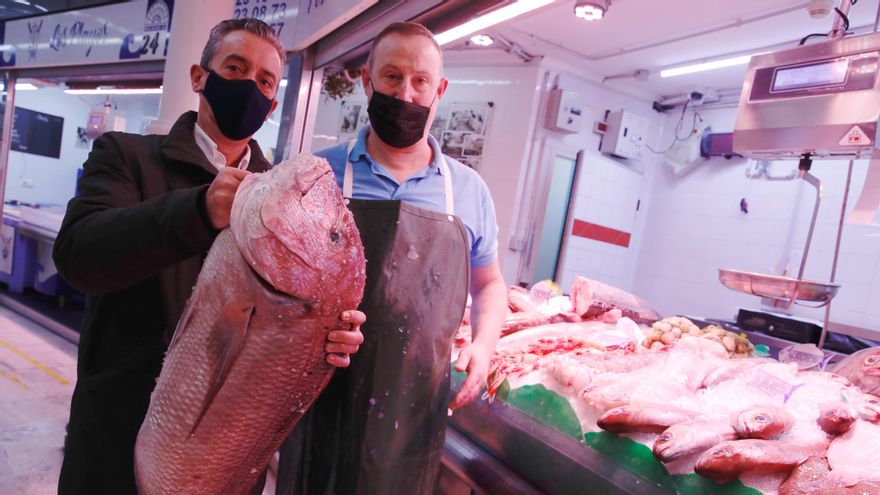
point(472, 201)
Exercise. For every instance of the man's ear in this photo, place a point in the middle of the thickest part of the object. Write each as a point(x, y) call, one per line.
point(441, 89)
point(197, 75)
point(365, 79)
point(274, 106)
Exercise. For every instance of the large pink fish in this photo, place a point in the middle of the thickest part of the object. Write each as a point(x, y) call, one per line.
point(247, 358)
point(863, 369)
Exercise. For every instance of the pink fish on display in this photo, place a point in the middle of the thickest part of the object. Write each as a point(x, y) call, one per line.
point(762, 422)
point(836, 418)
point(591, 299)
point(647, 418)
point(729, 461)
point(862, 369)
point(690, 438)
point(247, 358)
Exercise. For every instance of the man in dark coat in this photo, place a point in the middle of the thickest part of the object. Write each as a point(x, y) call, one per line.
point(134, 238)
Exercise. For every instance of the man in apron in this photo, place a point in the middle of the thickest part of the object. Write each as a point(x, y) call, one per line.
point(429, 232)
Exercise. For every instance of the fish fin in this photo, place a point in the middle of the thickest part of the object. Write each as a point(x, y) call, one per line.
point(223, 345)
point(188, 313)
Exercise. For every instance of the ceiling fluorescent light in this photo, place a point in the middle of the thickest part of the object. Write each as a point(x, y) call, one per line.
point(717, 64)
point(490, 19)
point(25, 87)
point(591, 11)
point(482, 40)
point(115, 91)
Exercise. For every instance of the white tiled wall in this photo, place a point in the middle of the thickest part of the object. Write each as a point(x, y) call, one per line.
point(695, 226)
point(608, 188)
point(606, 195)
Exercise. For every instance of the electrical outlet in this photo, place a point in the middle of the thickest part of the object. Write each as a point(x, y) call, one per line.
point(27, 183)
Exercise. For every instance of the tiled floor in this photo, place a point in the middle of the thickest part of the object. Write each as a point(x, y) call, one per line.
point(37, 375)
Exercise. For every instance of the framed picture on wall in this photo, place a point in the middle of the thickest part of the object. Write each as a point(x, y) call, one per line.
point(452, 144)
point(469, 118)
point(473, 144)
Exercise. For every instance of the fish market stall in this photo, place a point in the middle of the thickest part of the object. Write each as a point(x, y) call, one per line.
point(659, 407)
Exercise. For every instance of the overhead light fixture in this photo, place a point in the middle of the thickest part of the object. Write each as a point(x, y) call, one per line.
point(716, 64)
point(114, 91)
point(22, 86)
point(482, 40)
point(496, 16)
point(591, 11)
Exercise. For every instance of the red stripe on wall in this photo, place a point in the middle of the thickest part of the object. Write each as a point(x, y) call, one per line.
point(599, 233)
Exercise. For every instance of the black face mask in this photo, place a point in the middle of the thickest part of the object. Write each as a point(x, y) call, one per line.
point(398, 123)
point(238, 105)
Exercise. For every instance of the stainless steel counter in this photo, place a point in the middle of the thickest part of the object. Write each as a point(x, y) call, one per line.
point(496, 448)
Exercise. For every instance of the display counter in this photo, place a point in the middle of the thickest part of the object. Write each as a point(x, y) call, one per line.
point(531, 442)
point(497, 448)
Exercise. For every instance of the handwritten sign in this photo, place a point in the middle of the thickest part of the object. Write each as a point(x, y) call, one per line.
point(135, 30)
point(299, 23)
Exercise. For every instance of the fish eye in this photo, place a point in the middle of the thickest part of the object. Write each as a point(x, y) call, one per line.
point(872, 359)
point(334, 236)
point(760, 417)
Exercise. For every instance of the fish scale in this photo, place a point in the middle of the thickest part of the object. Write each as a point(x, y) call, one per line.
point(248, 358)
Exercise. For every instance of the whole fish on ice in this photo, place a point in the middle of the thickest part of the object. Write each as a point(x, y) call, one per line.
point(836, 418)
point(763, 422)
point(862, 368)
point(247, 358)
point(692, 437)
point(728, 461)
point(650, 418)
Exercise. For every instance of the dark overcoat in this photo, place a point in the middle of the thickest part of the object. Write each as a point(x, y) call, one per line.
point(133, 240)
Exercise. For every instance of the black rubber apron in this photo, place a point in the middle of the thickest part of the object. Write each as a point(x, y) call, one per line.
point(379, 427)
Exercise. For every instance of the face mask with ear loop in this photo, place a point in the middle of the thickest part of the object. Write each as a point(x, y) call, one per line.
point(239, 106)
point(398, 123)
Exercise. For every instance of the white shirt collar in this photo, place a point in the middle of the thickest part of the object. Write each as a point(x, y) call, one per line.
point(209, 148)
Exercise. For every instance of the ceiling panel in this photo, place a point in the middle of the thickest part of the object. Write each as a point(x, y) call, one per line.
point(653, 34)
point(15, 9)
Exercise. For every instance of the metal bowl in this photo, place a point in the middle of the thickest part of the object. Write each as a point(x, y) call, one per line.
point(777, 287)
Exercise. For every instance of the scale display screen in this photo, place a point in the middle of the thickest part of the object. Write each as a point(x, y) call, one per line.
point(829, 73)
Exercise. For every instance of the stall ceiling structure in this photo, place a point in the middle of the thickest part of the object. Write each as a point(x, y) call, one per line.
point(646, 35)
point(14, 9)
point(653, 35)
